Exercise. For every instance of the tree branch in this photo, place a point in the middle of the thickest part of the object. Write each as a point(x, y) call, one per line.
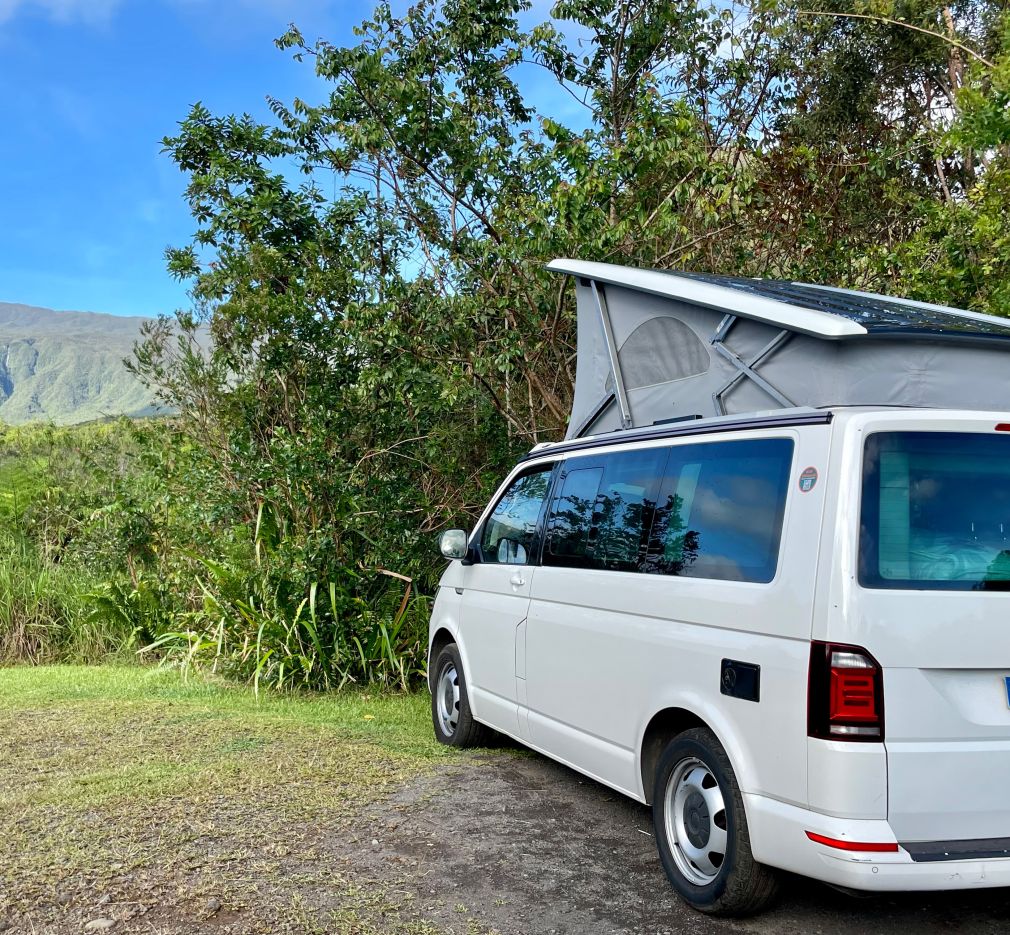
point(897, 22)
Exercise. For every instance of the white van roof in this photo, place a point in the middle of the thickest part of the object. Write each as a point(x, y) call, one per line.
point(655, 345)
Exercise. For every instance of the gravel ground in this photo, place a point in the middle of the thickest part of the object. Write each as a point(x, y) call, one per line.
point(138, 804)
point(529, 847)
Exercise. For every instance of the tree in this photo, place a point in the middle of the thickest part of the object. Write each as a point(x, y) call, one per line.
point(369, 266)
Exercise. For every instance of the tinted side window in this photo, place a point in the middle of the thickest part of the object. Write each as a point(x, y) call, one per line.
point(719, 513)
point(625, 507)
point(570, 523)
point(603, 511)
point(511, 529)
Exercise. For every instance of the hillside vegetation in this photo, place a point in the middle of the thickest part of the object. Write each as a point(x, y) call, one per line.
point(370, 262)
point(67, 367)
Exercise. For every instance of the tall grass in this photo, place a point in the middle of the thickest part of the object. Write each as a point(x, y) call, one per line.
point(59, 550)
point(47, 610)
point(251, 629)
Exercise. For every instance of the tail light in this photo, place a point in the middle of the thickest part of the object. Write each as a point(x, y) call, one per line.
point(845, 694)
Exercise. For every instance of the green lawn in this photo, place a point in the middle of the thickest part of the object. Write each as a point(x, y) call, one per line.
point(167, 804)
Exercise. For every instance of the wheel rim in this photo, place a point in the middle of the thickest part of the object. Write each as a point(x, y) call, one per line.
point(447, 698)
point(695, 817)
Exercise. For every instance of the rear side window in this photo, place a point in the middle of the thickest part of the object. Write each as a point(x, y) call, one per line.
point(603, 510)
point(720, 510)
point(935, 511)
point(710, 510)
point(509, 533)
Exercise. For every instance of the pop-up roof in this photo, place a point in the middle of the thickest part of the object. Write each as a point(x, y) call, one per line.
point(655, 345)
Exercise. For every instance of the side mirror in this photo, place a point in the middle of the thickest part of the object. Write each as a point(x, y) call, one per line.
point(453, 544)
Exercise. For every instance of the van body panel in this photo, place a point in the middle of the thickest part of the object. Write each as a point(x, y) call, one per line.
point(493, 606)
point(603, 672)
point(605, 761)
point(445, 615)
point(847, 780)
point(969, 776)
point(445, 612)
point(607, 650)
point(932, 630)
point(520, 670)
point(944, 655)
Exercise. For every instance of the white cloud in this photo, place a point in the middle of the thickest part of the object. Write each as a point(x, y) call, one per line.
point(61, 11)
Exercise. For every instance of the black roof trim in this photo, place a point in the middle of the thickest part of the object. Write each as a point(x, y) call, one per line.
point(678, 430)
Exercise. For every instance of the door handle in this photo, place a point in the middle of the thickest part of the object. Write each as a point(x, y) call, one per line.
point(517, 580)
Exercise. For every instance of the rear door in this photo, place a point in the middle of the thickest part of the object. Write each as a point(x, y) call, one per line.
point(933, 607)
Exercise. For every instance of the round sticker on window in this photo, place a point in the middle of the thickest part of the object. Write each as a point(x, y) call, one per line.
point(807, 479)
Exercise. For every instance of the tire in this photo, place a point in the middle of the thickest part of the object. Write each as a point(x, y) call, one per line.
point(450, 705)
point(701, 830)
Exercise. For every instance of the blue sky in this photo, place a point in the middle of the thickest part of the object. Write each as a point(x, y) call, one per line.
point(87, 90)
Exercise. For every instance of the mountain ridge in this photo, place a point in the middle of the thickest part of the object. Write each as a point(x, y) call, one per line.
point(67, 366)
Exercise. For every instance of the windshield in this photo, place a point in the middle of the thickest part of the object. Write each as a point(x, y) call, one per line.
point(936, 511)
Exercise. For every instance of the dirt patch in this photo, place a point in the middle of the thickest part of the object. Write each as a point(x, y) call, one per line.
point(529, 847)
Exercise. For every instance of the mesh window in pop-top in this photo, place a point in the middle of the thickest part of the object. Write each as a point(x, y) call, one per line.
point(659, 351)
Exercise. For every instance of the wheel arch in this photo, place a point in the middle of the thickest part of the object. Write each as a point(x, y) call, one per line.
point(670, 721)
point(441, 638)
point(661, 729)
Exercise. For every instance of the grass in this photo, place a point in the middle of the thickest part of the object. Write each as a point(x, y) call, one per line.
point(44, 611)
point(172, 805)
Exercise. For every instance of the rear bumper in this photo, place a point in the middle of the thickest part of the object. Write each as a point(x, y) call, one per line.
point(778, 834)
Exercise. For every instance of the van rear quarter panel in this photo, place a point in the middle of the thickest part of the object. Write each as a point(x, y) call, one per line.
point(606, 651)
point(946, 750)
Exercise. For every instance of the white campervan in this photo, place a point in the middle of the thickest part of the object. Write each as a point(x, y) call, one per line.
point(787, 629)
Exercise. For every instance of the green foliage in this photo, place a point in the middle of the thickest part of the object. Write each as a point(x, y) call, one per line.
point(74, 526)
point(369, 267)
point(385, 336)
point(960, 252)
point(108, 552)
point(256, 629)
